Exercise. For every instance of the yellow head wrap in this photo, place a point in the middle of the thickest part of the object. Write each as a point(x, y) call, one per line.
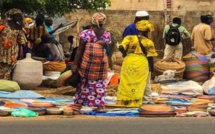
point(98, 18)
point(28, 20)
point(144, 25)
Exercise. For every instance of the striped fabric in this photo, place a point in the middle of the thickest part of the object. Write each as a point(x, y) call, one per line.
point(197, 67)
point(56, 52)
point(94, 65)
point(36, 32)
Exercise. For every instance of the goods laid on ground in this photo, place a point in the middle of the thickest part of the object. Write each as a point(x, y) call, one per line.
point(209, 86)
point(61, 81)
point(59, 66)
point(212, 63)
point(173, 105)
point(38, 107)
point(28, 73)
point(156, 110)
point(170, 64)
point(185, 87)
point(9, 86)
point(197, 67)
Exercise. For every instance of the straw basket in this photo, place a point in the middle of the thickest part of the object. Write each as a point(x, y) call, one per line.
point(197, 67)
point(170, 64)
point(28, 73)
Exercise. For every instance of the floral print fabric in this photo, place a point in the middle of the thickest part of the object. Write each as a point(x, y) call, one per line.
point(90, 36)
point(91, 93)
point(9, 40)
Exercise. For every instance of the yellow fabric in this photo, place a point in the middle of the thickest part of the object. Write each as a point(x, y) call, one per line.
point(133, 77)
point(35, 33)
point(131, 44)
point(28, 20)
point(55, 66)
point(144, 25)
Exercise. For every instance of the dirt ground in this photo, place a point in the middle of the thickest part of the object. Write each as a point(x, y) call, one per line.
point(63, 92)
point(49, 117)
point(67, 92)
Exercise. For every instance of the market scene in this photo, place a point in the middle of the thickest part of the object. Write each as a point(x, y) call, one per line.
point(158, 63)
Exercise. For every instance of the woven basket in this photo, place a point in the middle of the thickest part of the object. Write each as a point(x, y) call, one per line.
point(197, 67)
point(58, 66)
point(28, 73)
point(202, 108)
point(156, 108)
point(170, 64)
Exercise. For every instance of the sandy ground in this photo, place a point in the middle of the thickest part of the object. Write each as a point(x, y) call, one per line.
point(75, 117)
point(87, 117)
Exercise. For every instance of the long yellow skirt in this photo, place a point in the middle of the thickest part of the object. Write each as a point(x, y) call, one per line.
point(133, 78)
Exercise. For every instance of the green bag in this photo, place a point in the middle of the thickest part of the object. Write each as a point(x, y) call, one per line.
point(23, 112)
point(9, 86)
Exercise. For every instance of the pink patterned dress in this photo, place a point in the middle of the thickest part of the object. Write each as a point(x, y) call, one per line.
point(93, 70)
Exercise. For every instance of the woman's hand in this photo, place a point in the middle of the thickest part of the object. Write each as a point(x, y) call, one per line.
point(74, 68)
point(123, 51)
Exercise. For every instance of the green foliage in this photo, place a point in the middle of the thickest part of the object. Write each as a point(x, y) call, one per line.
point(52, 7)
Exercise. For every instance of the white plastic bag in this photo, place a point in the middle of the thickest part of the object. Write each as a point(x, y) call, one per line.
point(209, 86)
point(187, 88)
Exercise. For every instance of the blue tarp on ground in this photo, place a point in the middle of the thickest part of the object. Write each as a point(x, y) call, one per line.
point(133, 112)
point(21, 94)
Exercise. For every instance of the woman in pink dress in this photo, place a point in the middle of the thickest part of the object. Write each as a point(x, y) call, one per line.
point(91, 62)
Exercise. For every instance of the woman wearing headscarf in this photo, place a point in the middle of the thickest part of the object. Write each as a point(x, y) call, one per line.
point(135, 67)
point(11, 35)
point(52, 52)
point(36, 31)
point(91, 62)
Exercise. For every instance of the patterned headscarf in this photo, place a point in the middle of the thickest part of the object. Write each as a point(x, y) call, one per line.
point(144, 25)
point(13, 11)
point(98, 18)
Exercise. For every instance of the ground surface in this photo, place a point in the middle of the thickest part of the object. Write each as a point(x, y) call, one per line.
point(67, 92)
point(63, 92)
point(106, 125)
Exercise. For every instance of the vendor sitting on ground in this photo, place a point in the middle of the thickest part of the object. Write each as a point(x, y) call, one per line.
point(52, 52)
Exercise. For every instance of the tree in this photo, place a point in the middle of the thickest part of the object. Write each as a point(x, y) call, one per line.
point(52, 7)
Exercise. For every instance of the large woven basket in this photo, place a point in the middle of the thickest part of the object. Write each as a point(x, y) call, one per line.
point(28, 73)
point(170, 64)
point(197, 67)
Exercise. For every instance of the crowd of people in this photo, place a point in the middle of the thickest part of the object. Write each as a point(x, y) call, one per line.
point(90, 58)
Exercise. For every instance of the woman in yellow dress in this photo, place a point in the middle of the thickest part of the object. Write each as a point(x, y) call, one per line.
point(135, 68)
